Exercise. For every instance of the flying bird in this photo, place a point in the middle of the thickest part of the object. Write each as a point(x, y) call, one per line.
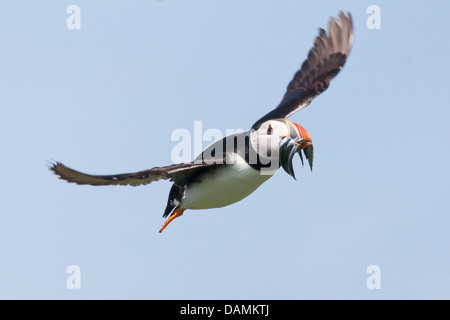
point(231, 169)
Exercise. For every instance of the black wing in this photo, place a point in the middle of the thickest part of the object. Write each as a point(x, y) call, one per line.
point(179, 173)
point(213, 156)
point(325, 59)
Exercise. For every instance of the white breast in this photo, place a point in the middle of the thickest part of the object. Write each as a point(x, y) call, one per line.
point(228, 184)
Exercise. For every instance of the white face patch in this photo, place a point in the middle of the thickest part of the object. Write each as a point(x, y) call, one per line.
point(269, 135)
point(276, 128)
point(265, 141)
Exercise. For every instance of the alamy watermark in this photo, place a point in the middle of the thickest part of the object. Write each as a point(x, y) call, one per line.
point(73, 21)
point(230, 148)
point(73, 281)
point(374, 20)
point(374, 280)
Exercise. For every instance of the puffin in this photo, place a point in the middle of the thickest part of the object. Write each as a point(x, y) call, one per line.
point(230, 169)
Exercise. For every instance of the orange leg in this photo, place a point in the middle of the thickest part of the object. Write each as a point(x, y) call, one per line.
point(178, 212)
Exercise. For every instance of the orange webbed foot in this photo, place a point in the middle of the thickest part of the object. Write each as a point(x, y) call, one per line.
point(178, 212)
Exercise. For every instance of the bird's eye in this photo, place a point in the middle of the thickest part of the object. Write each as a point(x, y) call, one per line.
point(269, 130)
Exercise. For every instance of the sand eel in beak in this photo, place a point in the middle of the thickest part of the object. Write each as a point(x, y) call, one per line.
point(231, 169)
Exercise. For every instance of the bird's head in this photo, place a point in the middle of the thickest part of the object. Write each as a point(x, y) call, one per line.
point(288, 138)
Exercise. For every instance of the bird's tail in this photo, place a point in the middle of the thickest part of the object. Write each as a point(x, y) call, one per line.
point(175, 195)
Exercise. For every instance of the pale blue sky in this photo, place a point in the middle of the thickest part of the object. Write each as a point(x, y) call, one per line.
point(106, 99)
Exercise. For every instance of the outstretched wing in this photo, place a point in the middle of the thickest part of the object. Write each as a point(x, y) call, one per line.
point(325, 59)
point(179, 173)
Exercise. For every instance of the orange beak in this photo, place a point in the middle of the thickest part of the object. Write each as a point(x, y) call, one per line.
point(302, 134)
point(290, 145)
